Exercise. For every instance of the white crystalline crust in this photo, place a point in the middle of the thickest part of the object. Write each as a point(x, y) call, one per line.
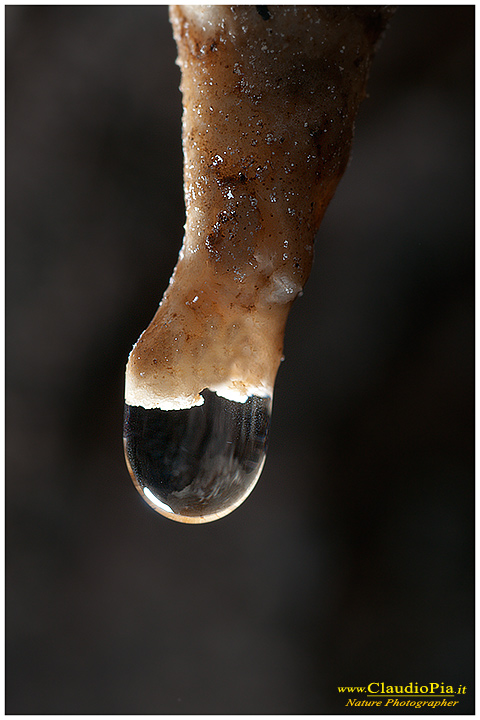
point(269, 103)
point(207, 18)
point(234, 390)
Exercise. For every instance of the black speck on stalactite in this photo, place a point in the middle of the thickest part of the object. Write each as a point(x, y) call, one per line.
point(263, 11)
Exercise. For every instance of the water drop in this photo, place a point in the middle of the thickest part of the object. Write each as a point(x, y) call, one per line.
point(198, 464)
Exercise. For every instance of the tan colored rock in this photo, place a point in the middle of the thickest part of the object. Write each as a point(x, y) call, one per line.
point(270, 95)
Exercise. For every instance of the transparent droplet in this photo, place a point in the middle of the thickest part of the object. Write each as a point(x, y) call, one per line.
point(198, 464)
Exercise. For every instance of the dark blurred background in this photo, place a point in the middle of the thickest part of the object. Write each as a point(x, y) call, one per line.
point(352, 561)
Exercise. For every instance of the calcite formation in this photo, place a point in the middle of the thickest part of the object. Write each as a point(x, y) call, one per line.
point(270, 95)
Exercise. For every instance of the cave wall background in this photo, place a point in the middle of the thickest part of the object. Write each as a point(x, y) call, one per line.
point(352, 562)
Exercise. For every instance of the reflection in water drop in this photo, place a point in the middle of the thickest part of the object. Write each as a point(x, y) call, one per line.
point(199, 464)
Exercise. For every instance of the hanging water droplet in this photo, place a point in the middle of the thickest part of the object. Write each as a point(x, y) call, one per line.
point(198, 464)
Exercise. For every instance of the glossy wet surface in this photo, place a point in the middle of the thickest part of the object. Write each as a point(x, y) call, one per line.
point(198, 462)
